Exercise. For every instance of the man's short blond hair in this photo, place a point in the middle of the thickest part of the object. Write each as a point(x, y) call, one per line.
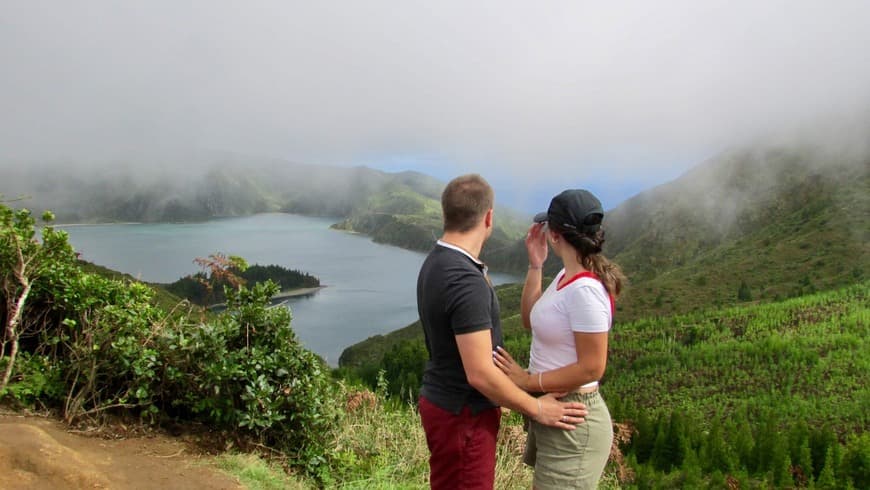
point(465, 201)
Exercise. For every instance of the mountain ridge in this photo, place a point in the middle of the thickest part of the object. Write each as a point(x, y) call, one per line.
point(401, 208)
point(787, 217)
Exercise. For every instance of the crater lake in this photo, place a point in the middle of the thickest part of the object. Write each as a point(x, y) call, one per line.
point(370, 288)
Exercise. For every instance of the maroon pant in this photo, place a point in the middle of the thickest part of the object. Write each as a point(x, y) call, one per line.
point(461, 447)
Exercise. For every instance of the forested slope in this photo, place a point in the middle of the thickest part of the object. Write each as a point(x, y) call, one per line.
point(775, 223)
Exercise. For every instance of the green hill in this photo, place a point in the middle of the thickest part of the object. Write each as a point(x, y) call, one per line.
point(401, 216)
point(783, 221)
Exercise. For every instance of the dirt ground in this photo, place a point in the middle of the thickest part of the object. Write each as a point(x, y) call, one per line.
point(41, 453)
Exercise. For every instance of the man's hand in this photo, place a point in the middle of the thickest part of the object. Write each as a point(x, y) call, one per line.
point(553, 412)
point(475, 349)
point(564, 415)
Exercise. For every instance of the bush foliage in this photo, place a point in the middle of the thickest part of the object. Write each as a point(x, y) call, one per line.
point(91, 345)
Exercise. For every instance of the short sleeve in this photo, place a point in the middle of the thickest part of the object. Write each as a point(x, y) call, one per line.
point(588, 307)
point(468, 304)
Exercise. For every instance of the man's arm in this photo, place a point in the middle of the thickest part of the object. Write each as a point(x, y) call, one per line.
point(475, 349)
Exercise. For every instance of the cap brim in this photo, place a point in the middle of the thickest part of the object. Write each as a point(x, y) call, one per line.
point(540, 217)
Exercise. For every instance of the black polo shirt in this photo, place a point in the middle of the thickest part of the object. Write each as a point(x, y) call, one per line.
point(454, 297)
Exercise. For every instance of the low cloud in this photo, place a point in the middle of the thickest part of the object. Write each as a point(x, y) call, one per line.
point(542, 93)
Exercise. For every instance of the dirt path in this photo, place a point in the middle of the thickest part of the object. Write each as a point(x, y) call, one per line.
point(39, 453)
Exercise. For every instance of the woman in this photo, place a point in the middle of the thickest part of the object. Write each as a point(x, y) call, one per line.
point(569, 321)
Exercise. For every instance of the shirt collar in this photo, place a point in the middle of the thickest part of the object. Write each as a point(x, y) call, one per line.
point(454, 247)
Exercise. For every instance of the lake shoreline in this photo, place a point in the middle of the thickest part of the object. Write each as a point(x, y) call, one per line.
point(73, 225)
point(289, 293)
point(295, 293)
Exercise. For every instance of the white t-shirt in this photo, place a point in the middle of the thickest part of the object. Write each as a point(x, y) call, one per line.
point(581, 305)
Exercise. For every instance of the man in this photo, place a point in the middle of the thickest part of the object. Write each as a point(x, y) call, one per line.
point(462, 388)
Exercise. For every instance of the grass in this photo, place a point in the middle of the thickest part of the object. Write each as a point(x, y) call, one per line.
point(385, 442)
point(381, 445)
point(255, 473)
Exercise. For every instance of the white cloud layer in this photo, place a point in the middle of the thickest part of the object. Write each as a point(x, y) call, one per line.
point(528, 88)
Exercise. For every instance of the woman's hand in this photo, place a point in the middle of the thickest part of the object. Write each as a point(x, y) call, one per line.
point(536, 245)
point(506, 363)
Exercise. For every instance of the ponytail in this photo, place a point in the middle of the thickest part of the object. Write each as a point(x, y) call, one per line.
point(588, 247)
point(610, 274)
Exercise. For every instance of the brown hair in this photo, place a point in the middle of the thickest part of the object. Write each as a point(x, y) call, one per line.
point(588, 247)
point(464, 202)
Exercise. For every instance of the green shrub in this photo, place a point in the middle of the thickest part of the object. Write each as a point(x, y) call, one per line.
point(247, 371)
point(856, 460)
point(743, 292)
point(92, 344)
point(36, 378)
point(108, 345)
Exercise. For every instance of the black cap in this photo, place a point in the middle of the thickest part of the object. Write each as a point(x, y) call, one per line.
point(574, 209)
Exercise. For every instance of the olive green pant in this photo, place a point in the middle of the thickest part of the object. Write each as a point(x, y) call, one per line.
point(576, 458)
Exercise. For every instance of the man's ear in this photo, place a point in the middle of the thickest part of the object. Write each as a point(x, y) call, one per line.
point(487, 220)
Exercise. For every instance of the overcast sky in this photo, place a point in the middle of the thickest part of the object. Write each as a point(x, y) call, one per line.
point(536, 96)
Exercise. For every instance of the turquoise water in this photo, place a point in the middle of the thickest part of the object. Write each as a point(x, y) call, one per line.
point(370, 288)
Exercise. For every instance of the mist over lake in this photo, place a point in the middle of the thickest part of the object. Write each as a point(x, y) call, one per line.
point(370, 288)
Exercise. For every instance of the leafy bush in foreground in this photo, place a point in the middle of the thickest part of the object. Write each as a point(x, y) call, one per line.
point(90, 344)
point(247, 370)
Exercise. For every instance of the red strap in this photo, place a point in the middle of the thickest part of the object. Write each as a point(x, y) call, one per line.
point(593, 276)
